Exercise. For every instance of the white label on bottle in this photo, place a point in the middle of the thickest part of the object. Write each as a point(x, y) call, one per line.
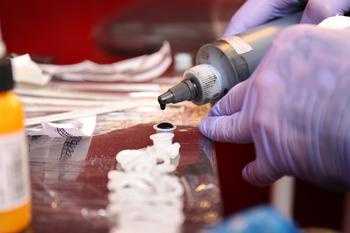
point(14, 173)
point(238, 44)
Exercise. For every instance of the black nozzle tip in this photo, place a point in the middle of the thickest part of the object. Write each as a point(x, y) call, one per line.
point(161, 102)
point(165, 99)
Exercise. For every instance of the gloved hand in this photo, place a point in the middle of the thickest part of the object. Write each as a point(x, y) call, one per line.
point(257, 12)
point(295, 108)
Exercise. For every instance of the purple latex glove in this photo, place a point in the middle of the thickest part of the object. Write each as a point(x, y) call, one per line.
point(257, 12)
point(295, 108)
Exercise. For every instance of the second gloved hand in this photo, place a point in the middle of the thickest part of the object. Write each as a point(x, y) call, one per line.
point(257, 12)
point(295, 108)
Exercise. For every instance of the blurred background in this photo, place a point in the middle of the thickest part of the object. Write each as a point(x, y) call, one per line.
point(104, 31)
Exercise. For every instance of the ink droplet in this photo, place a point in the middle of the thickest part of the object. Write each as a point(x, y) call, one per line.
point(162, 104)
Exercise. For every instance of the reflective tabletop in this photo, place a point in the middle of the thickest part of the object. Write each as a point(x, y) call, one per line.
point(69, 178)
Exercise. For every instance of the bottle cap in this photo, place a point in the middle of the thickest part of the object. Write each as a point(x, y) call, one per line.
point(209, 82)
point(6, 79)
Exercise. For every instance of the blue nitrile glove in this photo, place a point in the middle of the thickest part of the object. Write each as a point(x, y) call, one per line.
point(295, 108)
point(261, 219)
point(257, 12)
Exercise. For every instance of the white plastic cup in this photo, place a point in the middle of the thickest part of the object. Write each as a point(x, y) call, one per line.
point(160, 129)
point(161, 141)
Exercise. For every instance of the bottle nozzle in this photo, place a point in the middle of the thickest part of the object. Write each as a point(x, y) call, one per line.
point(165, 99)
point(185, 90)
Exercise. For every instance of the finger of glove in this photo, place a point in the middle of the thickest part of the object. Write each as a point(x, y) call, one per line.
point(232, 128)
point(251, 14)
point(316, 11)
point(232, 102)
point(258, 174)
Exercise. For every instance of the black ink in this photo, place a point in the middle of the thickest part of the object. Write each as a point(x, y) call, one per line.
point(165, 125)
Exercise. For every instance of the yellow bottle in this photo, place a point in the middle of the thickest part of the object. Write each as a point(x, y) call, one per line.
point(15, 204)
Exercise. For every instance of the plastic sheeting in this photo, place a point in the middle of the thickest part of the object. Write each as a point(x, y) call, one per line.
point(69, 178)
